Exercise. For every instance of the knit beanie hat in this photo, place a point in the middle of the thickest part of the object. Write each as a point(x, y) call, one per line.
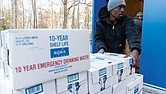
point(114, 3)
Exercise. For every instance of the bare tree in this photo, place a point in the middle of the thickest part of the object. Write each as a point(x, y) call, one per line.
point(9, 14)
point(40, 17)
point(29, 24)
point(15, 5)
point(60, 20)
point(78, 9)
point(23, 16)
point(87, 16)
point(14, 13)
point(52, 15)
point(65, 13)
point(34, 14)
point(73, 15)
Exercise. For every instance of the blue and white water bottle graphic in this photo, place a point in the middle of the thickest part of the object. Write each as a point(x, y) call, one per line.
point(74, 85)
point(102, 78)
point(120, 71)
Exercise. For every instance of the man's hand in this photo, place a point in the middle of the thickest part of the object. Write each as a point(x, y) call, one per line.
point(101, 51)
point(135, 56)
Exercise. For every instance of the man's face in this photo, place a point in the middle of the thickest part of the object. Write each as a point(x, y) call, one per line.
point(118, 11)
point(139, 16)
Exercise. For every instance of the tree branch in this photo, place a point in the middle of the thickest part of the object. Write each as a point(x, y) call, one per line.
point(68, 9)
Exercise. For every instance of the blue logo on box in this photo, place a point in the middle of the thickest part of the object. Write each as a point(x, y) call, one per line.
point(59, 52)
point(34, 90)
point(120, 65)
point(73, 77)
point(102, 71)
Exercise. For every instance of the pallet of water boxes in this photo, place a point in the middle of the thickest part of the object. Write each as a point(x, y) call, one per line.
point(58, 62)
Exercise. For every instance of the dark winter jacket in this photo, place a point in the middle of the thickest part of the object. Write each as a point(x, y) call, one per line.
point(112, 36)
point(138, 23)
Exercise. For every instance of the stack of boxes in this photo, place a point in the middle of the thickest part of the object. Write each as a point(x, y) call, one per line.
point(44, 61)
point(111, 73)
point(59, 62)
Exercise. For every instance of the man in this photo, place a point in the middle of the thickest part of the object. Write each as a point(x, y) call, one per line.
point(113, 28)
point(138, 22)
point(139, 15)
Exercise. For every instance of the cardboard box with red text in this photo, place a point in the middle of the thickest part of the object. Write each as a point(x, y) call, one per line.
point(31, 57)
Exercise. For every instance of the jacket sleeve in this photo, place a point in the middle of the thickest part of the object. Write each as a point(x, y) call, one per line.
point(99, 38)
point(132, 35)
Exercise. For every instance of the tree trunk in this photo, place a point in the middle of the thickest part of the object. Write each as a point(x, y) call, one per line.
point(87, 16)
point(23, 18)
point(30, 18)
point(73, 15)
point(15, 4)
point(9, 13)
point(65, 13)
point(78, 25)
point(13, 14)
point(52, 14)
point(34, 13)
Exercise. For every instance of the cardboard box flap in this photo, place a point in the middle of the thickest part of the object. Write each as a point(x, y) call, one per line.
point(117, 56)
point(97, 57)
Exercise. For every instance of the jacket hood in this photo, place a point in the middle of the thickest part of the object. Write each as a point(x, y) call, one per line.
point(103, 13)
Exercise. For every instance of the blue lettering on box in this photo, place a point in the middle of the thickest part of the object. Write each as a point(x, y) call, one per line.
point(34, 90)
point(25, 40)
point(73, 77)
point(59, 52)
point(102, 71)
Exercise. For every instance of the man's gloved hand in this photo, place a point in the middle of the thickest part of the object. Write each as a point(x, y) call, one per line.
point(101, 51)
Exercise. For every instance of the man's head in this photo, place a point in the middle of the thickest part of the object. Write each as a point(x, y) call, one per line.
point(139, 15)
point(116, 8)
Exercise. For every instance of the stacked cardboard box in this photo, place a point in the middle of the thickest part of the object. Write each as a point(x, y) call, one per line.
point(44, 61)
point(56, 62)
point(70, 84)
point(110, 73)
